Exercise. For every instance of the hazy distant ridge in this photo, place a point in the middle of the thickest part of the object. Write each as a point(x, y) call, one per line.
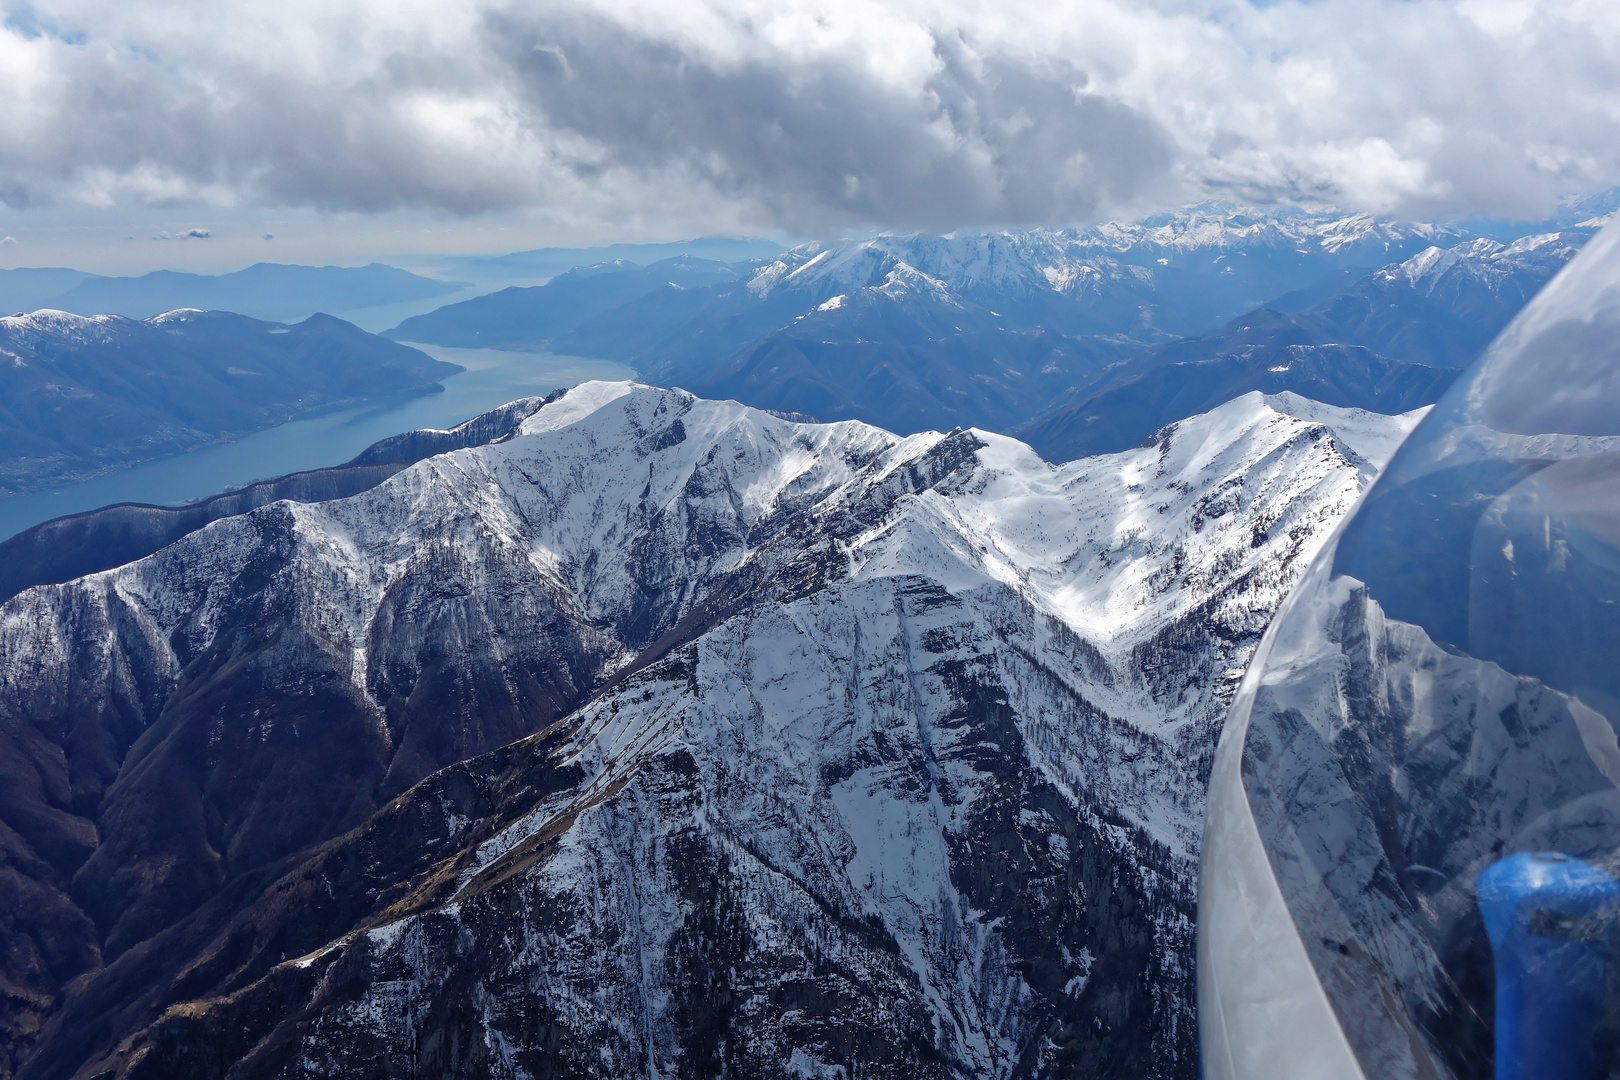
point(79, 396)
point(280, 293)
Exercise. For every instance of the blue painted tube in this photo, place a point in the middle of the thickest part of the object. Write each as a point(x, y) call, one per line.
point(1548, 916)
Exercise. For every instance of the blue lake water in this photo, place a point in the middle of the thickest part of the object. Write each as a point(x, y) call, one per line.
point(493, 377)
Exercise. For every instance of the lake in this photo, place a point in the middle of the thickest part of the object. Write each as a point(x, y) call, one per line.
point(493, 377)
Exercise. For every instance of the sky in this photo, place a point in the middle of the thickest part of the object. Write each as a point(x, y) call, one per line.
point(208, 135)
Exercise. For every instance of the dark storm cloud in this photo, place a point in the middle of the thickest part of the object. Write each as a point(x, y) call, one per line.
point(821, 141)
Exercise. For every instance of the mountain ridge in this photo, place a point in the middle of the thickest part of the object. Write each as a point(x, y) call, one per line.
point(910, 729)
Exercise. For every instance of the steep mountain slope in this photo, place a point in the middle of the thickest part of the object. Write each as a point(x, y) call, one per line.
point(837, 750)
point(1390, 341)
point(82, 395)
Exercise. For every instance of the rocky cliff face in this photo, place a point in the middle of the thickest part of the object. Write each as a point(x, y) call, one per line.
point(668, 737)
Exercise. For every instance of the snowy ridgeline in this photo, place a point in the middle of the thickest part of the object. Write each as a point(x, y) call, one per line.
point(855, 753)
point(1072, 260)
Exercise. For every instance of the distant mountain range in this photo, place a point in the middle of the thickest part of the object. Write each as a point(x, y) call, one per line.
point(543, 263)
point(1081, 340)
point(1170, 275)
point(83, 395)
point(910, 350)
point(271, 291)
point(1045, 331)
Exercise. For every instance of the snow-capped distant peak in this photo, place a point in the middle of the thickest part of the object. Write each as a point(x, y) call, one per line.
point(1129, 257)
point(61, 326)
point(51, 319)
point(842, 267)
point(906, 281)
point(1481, 259)
point(184, 314)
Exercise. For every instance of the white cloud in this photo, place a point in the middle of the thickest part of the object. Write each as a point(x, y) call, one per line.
point(807, 114)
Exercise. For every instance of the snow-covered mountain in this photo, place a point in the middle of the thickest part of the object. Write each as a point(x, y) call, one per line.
point(1231, 226)
point(835, 752)
point(1065, 259)
point(1182, 272)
